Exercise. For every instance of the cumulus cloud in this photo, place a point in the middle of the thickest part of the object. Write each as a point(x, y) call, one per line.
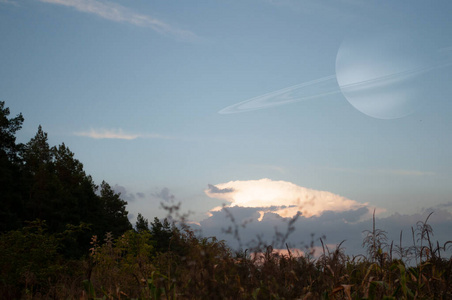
point(280, 197)
point(117, 134)
point(240, 228)
point(118, 13)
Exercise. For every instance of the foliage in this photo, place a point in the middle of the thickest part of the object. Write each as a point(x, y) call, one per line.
point(208, 269)
point(142, 224)
point(61, 239)
point(8, 129)
point(162, 234)
point(10, 187)
point(122, 266)
point(29, 259)
point(38, 181)
point(129, 267)
point(113, 211)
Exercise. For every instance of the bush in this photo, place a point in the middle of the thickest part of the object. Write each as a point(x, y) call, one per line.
point(29, 261)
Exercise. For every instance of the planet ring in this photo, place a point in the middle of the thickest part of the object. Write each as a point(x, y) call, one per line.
point(318, 88)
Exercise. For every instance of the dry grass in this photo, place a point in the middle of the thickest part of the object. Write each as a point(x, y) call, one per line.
point(204, 268)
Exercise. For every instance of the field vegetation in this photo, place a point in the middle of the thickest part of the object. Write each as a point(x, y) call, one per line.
point(63, 237)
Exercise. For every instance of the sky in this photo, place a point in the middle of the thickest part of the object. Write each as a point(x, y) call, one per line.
point(263, 110)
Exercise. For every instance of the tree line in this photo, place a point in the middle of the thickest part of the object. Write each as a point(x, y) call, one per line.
point(64, 237)
point(48, 184)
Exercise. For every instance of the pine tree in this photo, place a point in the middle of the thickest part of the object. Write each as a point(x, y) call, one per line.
point(114, 213)
point(142, 224)
point(10, 171)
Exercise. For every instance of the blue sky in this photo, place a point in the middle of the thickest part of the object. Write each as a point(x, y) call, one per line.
point(134, 89)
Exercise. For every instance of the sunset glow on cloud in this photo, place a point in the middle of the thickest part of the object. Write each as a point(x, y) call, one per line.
point(281, 197)
point(107, 134)
point(117, 134)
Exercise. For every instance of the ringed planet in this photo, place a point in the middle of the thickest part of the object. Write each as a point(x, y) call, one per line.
point(383, 74)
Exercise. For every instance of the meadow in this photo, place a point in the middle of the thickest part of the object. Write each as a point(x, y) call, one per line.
point(64, 237)
point(164, 261)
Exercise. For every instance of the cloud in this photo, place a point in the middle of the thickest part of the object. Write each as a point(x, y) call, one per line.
point(334, 226)
point(165, 195)
point(125, 194)
point(280, 197)
point(8, 2)
point(269, 167)
point(406, 172)
point(272, 228)
point(393, 172)
point(117, 134)
point(214, 190)
point(118, 13)
point(447, 205)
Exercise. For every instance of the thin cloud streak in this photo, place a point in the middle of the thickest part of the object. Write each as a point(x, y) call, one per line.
point(395, 172)
point(407, 172)
point(118, 13)
point(269, 167)
point(117, 134)
point(9, 2)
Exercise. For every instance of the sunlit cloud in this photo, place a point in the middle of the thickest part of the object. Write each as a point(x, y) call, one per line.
point(118, 13)
point(315, 251)
point(117, 134)
point(280, 197)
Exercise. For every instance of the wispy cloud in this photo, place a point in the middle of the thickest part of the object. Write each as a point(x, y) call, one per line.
point(395, 172)
point(269, 167)
point(118, 13)
point(8, 2)
point(407, 172)
point(117, 134)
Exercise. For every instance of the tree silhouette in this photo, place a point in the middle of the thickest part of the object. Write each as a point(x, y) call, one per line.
point(10, 172)
point(48, 183)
